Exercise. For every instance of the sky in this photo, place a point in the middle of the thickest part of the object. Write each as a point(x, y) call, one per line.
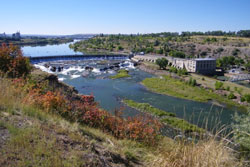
point(64, 17)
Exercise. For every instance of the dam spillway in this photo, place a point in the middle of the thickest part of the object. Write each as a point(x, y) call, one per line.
point(39, 59)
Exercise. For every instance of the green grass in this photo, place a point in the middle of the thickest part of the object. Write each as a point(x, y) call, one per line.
point(120, 74)
point(181, 124)
point(177, 88)
point(145, 107)
point(165, 117)
point(32, 147)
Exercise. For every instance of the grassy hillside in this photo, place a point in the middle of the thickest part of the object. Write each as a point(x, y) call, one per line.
point(188, 46)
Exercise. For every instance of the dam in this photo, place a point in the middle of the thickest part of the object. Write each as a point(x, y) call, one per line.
point(39, 59)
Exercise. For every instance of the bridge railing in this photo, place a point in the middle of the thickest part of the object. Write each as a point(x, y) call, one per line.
point(241, 77)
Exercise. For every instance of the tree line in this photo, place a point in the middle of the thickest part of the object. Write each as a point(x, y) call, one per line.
point(241, 33)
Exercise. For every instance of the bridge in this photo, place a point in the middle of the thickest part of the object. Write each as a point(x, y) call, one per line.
point(40, 59)
point(240, 77)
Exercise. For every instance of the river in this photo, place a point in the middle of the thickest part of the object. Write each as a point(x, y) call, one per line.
point(109, 92)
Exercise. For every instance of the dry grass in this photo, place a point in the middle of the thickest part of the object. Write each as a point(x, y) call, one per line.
point(209, 153)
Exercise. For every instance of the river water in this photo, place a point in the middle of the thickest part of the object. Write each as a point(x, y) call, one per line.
point(49, 50)
point(109, 92)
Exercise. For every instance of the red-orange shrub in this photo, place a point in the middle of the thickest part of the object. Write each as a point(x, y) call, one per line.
point(12, 62)
point(84, 110)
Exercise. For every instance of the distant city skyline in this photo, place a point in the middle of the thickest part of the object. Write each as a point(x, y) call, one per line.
point(63, 17)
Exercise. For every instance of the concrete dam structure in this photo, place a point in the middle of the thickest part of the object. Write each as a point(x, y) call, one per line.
point(40, 59)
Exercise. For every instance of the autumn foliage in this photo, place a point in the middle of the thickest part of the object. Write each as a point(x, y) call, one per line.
point(12, 62)
point(86, 111)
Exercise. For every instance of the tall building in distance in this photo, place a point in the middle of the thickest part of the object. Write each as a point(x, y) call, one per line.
point(3, 35)
point(16, 35)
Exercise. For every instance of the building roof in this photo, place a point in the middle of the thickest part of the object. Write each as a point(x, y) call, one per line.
point(205, 59)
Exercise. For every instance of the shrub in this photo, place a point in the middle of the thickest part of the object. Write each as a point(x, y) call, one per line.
point(241, 129)
point(173, 69)
point(162, 63)
point(231, 96)
point(247, 97)
point(119, 48)
point(84, 110)
point(218, 85)
point(182, 72)
point(12, 62)
point(178, 54)
point(242, 99)
point(192, 82)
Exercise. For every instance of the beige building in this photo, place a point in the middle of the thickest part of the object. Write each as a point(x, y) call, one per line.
point(199, 65)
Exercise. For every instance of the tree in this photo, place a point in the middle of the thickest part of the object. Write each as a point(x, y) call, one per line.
point(157, 43)
point(178, 54)
point(247, 66)
point(192, 82)
point(218, 85)
point(12, 62)
point(162, 63)
point(231, 96)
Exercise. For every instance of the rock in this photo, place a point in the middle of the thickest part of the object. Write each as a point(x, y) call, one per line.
point(53, 69)
point(111, 67)
point(60, 69)
point(89, 68)
point(46, 65)
point(85, 73)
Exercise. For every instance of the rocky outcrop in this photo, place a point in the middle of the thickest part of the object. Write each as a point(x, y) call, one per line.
point(54, 85)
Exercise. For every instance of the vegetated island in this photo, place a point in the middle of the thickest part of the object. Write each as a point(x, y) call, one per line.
point(167, 118)
point(122, 73)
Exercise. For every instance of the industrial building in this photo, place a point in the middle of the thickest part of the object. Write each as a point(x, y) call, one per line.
point(199, 65)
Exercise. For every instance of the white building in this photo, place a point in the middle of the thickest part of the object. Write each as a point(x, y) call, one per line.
point(199, 65)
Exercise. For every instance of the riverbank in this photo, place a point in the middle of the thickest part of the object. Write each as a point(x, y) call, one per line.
point(177, 88)
point(204, 92)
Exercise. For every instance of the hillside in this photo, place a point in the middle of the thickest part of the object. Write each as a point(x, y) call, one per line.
point(191, 46)
point(44, 122)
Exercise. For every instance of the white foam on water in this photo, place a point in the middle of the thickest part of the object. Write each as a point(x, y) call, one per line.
point(127, 65)
point(111, 71)
point(41, 67)
point(95, 70)
point(61, 79)
point(70, 69)
point(74, 76)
